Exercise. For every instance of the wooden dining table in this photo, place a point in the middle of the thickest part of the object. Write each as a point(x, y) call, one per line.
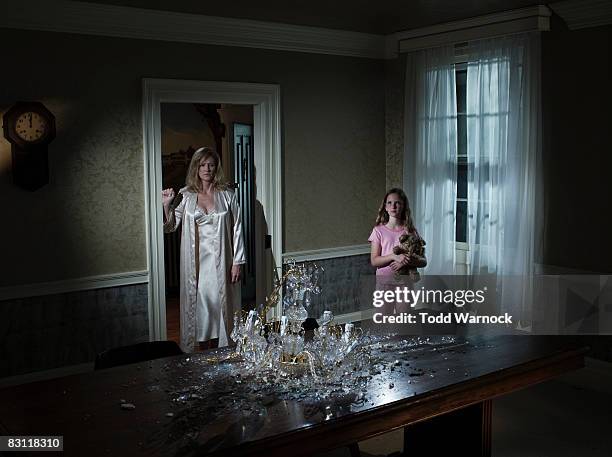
point(194, 404)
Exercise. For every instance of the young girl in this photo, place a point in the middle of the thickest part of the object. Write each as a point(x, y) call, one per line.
point(393, 220)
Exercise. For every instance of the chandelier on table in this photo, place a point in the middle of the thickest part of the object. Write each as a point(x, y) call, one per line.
point(288, 347)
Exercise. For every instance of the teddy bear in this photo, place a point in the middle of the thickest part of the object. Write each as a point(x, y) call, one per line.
point(410, 244)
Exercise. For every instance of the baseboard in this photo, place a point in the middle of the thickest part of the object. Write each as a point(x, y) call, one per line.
point(596, 375)
point(601, 368)
point(555, 270)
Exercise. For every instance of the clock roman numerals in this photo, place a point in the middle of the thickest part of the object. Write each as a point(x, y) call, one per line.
point(31, 126)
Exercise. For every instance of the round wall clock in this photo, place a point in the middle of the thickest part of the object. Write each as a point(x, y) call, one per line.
point(29, 127)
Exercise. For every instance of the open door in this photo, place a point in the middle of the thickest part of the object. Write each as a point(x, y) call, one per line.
point(244, 177)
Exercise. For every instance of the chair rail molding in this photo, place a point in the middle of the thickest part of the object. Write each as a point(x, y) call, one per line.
point(127, 22)
point(326, 253)
point(74, 285)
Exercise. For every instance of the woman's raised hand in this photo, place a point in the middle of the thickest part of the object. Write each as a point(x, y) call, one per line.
point(167, 196)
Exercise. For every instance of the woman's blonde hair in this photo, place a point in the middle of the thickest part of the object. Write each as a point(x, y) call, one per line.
point(193, 182)
point(405, 215)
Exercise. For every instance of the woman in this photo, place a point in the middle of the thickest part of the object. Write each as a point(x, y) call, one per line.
point(212, 251)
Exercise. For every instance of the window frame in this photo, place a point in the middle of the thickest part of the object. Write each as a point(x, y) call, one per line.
point(460, 63)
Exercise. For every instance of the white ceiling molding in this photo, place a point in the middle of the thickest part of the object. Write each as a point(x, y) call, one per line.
point(125, 22)
point(580, 14)
point(535, 18)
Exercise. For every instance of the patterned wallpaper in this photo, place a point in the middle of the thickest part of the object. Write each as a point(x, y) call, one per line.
point(42, 333)
point(107, 173)
point(334, 165)
point(90, 219)
point(394, 120)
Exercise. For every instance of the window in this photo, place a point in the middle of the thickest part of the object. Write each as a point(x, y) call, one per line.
point(462, 155)
point(482, 168)
point(472, 150)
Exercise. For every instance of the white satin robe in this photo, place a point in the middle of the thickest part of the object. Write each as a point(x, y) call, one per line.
point(210, 244)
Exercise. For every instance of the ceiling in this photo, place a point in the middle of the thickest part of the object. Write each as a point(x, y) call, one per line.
point(371, 16)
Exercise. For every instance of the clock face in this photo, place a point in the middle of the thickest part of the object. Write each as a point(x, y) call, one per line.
point(31, 126)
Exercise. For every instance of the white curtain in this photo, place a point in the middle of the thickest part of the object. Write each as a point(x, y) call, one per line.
point(430, 167)
point(503, 143)
point(504, 154)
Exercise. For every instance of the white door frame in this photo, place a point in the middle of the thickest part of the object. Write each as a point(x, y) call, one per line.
point(267, 144)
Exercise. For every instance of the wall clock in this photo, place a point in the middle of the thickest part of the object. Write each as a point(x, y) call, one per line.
point(29, 127)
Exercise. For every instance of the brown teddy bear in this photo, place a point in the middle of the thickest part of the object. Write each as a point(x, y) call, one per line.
point(410, 244)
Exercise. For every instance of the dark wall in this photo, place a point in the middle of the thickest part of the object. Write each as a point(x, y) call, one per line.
point(577, 147)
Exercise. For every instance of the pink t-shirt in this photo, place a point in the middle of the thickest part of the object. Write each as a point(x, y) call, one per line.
point(387, 239)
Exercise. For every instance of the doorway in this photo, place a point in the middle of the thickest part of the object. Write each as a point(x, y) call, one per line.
point(244, 177)
point(264, 102)
point(228, 129)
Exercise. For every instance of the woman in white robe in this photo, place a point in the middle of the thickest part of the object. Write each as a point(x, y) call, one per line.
point(212, 251)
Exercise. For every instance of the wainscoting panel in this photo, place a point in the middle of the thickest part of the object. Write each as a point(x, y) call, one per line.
point(46, 332)
point(340, 284)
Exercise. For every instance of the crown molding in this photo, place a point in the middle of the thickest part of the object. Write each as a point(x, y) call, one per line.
point(126, 22)
point(74, 285)
point(580, 14)
point(147, 24)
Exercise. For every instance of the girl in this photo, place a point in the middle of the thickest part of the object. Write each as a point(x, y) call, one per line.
point(393, 220)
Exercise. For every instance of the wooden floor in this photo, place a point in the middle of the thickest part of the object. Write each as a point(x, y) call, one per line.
point(173, 322)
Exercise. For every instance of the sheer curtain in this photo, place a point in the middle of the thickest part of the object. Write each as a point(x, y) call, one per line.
point(430, 167)
point(503, 147)
point(503, 144)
